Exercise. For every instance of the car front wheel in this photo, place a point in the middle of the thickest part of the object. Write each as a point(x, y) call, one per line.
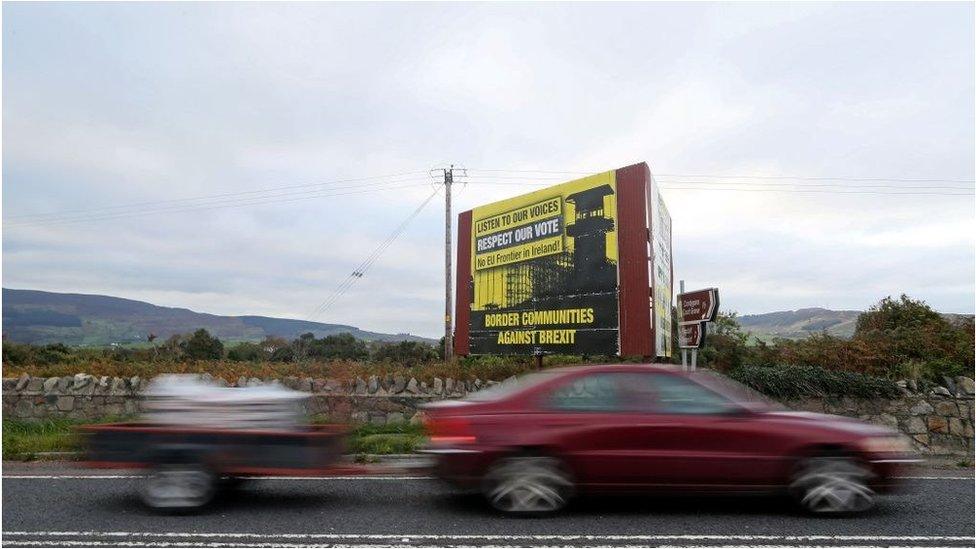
point(832, 485)
point(533, 485)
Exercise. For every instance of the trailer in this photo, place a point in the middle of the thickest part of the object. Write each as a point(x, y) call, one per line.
point(185, 467)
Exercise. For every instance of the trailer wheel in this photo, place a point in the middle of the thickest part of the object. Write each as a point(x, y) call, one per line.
point(178, 487)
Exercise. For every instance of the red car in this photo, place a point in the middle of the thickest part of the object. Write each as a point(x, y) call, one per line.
point(531, 444)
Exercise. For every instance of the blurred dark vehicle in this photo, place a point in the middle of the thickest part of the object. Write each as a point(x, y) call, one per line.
point(529, 445)
point(196, 437)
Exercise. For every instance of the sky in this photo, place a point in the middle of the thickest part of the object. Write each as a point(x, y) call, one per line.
point(118, 117)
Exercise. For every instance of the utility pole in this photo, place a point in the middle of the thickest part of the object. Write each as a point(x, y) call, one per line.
point(448, 332)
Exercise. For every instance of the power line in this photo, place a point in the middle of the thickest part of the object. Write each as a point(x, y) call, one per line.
point(227, 203)
point(216, 196)
point(724, 176)
point(815, 191)
point(360, 271)
point(805, 178)
point(678, 181)
point(797, 188)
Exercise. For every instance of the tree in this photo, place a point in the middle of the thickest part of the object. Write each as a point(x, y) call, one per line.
point(338, 347)
point(203, 346)
point(725, 343)
point(907, 334)
point(407, 353)
point(247, 351)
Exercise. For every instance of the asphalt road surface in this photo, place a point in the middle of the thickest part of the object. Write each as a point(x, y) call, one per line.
point(63, 507)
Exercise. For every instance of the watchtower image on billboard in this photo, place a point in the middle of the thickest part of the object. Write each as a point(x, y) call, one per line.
point(543, 270)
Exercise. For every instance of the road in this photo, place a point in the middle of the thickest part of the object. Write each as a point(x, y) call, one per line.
point(63, 507)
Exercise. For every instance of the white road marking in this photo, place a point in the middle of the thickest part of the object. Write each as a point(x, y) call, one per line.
point(485, 537)
point(937, 478)
point(346, 545)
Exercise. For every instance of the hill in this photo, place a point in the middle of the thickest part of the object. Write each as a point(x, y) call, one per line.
point(800, 323)
point(31, 316)
point(804, 322)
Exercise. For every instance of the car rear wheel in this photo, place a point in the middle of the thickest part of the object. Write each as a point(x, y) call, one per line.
point(832, 485)
point(528, 486)
point(178, 487)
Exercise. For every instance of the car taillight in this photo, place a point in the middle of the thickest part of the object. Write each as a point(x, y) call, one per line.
point(450, 430)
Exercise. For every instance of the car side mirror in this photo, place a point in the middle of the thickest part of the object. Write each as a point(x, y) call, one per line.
point(737, 411)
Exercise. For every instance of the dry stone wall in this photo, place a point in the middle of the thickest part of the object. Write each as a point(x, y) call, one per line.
point(938, 421)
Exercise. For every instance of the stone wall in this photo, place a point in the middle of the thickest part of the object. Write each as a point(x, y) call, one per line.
point(938, 421)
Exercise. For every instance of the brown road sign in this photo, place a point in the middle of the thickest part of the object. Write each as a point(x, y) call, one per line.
point(698, 306)
point(691, 336)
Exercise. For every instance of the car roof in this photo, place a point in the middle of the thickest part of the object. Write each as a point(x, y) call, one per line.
point(629, 367)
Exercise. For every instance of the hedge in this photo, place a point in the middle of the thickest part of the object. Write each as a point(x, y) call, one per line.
point(794, 382)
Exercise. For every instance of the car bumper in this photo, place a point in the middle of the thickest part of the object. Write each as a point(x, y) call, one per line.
point(888, 471)
point(462, 467)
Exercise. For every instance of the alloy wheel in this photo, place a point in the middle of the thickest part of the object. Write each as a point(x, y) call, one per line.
point(832, 485)
point(528, 485)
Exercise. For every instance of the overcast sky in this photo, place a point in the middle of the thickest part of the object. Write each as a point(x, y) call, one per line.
point(120, 104)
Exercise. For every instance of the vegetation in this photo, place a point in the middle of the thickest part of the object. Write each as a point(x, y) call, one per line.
point(393, 438)
point(896, 339)
point(794, 382)
point(25, 440)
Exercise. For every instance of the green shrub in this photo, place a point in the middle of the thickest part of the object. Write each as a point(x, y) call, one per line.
point(793, 382)
point(203, 346)
point(393, 438)
point(25, 439)
point(931, 371)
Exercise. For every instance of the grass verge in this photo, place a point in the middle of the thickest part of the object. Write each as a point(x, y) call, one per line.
point(25, 440)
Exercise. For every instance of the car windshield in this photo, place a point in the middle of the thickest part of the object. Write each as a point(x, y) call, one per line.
point(741, 394)
point(510, 386)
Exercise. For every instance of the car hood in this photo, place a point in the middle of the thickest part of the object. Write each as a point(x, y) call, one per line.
point(829, 421)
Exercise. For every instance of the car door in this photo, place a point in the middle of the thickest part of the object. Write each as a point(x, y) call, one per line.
point(689, 435)
point(593, 428)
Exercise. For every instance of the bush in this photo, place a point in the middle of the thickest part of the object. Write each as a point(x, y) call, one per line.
point(407, 353)
point(725, 344)
point(392, 438)
point(793, 382)
point(247, 351)
point(930, 371)
point(341, 346)
point(203, 346)
point(903, 330)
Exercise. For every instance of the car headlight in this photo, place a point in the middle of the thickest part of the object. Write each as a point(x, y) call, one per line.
point(886, 445)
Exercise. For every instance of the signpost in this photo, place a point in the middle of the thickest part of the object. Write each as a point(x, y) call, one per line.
point(691, 336)
point(695, 310)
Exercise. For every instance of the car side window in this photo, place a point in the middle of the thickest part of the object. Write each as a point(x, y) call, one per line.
point(590, 393)
point(668, 394)
point(677, 395)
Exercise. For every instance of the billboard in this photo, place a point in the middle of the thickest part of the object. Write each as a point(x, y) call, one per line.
point(544, 269)
point(568, 269)
point(661, 270)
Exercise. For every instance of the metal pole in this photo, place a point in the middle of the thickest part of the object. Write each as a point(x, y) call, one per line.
point(448, 331)
point(684, 352)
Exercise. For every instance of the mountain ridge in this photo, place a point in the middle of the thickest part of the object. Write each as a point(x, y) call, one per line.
point(35, 316)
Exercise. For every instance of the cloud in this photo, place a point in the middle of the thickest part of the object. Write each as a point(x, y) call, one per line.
point(118, 104)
